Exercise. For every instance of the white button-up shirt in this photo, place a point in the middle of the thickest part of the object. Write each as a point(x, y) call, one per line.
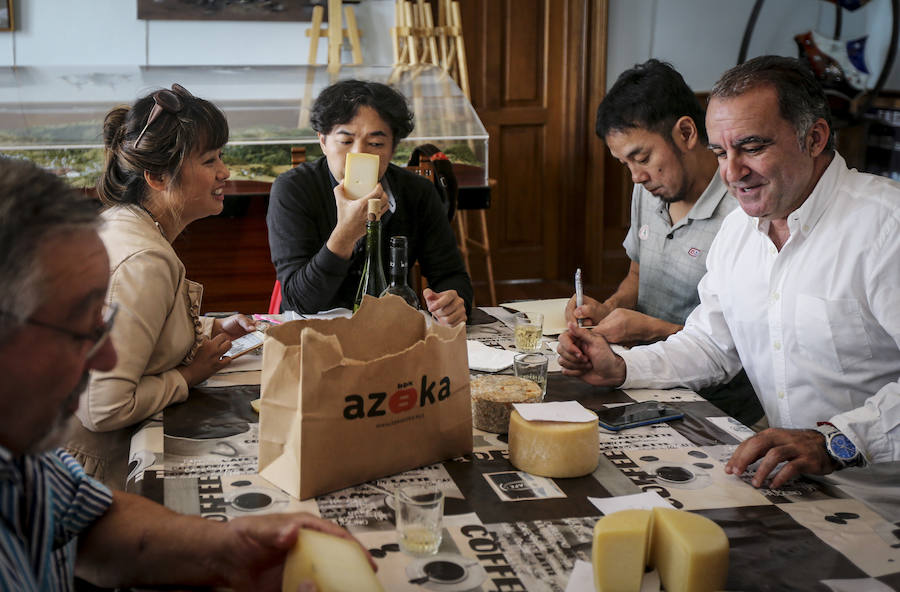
point(816, 325)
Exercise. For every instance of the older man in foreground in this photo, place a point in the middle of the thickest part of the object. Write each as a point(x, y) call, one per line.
point(53, 331)
point(802, 289)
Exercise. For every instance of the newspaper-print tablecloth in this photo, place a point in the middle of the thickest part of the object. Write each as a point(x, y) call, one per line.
point(505, 530)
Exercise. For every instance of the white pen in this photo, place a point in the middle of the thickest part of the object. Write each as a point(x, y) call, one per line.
point(579, 293)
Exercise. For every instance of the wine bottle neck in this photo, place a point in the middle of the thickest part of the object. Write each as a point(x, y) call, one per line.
point(399, 265)
point(373, 236)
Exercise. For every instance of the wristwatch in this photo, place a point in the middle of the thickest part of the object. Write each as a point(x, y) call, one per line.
point(839, 447)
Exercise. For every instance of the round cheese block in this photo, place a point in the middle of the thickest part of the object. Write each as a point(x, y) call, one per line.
point(493, 396)
point(553, 448)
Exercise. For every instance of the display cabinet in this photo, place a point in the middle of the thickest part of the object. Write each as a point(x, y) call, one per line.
point(54, 116)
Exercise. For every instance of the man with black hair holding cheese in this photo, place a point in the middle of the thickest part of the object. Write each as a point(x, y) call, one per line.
point(652, 122)
point(802, 289)
point(315, 231)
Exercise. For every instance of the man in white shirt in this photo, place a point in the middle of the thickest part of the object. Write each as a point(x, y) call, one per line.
point(802, 288)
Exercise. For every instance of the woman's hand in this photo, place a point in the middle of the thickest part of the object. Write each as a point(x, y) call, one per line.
point(234, 326)
point(208, 360)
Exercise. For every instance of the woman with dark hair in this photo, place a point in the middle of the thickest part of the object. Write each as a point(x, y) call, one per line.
point(163, 170)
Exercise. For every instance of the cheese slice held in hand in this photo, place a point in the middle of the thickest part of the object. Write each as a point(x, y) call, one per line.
point(689, 551)
point(332, 563)
point(360, 174)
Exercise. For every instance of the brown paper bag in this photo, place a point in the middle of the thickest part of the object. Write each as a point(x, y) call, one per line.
point(346, 401)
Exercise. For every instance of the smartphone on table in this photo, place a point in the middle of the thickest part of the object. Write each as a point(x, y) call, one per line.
point(636, 414)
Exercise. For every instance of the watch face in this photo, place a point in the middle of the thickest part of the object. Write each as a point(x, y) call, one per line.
point(842, 447)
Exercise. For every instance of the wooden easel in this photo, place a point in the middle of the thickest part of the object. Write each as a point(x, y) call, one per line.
point(335, 34)
point(453, 49)
point(416, 40)
point(413, 35)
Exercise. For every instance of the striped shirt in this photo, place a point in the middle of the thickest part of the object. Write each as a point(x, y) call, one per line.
point(46, 500)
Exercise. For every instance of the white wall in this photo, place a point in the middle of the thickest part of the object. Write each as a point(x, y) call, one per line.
point(702, 38)
point(107, 32)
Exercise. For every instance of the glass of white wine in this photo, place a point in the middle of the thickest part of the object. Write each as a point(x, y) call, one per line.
point(528, 327)
point(419, 511)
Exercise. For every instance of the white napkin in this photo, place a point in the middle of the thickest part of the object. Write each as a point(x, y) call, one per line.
point(488, 359)
point(582, 579)
point(570, 411)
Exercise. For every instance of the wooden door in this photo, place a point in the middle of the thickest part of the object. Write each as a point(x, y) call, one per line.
point(537, 69)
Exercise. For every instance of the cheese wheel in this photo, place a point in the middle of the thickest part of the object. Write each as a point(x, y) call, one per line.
point(689, 551)
point(333, 563)
point(360, 174)
point(619, 554)
point(493, 396)
point(553, 448)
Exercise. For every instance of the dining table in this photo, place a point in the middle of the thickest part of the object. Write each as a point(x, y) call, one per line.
point(508, 530)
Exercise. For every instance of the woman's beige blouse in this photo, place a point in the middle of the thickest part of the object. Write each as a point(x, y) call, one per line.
point(157, 329)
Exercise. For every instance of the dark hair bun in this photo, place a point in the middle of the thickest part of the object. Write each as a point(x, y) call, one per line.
point(114, 126)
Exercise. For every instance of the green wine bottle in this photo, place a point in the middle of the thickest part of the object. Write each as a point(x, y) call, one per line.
point(372, 281)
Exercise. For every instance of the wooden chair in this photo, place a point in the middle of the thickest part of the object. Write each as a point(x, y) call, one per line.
point(428, 161)
point(479, 203)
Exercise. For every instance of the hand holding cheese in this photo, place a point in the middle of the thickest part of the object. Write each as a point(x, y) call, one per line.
point(689, 551)
point(360, 180)
point(334, 564)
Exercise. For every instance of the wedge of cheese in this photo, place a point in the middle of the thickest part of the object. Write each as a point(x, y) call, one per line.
point(360, 174)
point(332, 563)
point(553, 448)
point(619, 554)
point(689, 551)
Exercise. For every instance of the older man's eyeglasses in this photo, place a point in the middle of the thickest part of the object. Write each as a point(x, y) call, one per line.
point(164, 100)
point(97, 337)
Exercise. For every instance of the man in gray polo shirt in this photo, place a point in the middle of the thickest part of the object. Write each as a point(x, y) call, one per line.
point(652, 122)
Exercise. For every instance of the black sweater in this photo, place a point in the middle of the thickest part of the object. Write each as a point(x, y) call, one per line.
point(302, 214)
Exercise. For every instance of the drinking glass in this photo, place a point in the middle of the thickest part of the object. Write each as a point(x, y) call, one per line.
point(419, 510)
point(528, 329)
point(532, 367)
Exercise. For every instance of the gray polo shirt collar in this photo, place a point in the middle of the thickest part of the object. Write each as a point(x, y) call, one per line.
point(705, 206)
